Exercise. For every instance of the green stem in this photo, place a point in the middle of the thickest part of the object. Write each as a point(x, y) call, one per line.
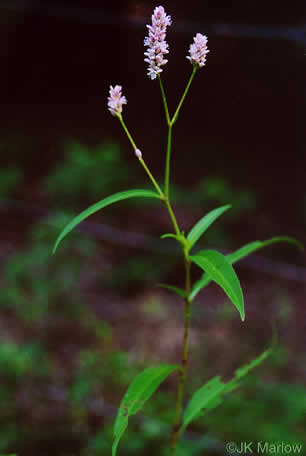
point(167, 171)
point(127, 131)
point(174, 118)
point(164, 99)
point(171, 213)
point(152, 178)
point(165, 198)
point(141, 159)
point(182, 374)
point(170, 124)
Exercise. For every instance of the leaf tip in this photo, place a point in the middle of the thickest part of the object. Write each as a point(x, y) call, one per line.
point(242, 314)
point(55, 246)
point(164, 236)
point(301, 246)
point(298, 244)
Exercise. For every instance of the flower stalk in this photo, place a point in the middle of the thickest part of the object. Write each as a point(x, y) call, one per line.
point(141, 160)
point(168, 156)
point(174, 118)
point(164, 99)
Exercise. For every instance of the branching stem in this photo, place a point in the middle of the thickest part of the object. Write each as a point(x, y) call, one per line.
point(165, 198)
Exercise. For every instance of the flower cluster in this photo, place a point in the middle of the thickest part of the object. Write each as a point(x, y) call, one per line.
point(156, 43)
point(198, 50)
point(116, 100)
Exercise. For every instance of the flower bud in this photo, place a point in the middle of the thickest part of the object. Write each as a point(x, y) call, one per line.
point(138, 153)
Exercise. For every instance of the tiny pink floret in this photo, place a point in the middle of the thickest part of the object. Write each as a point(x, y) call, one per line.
point(138, 153)
point(156, 42)
point(198, 50)
point(116, 100)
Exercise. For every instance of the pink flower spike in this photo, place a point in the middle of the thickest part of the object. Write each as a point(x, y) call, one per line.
point(156, 43)
point(116, 100)
point(198, 50)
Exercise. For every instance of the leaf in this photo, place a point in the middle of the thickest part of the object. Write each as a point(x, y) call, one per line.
point(210, 395)
point(201, 399)
point(244, 370)
point(176, 290)
point(97, 206)
point(178, 237)
point(118, 436)
point(241, 253)
point(201, 226)
point(220, 270)
point(169, 235)
point(256, 245)
point(139, 391)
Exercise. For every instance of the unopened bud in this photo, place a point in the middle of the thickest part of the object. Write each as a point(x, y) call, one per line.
point(138, 153)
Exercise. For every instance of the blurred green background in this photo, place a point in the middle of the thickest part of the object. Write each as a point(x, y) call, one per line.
point(75, 328)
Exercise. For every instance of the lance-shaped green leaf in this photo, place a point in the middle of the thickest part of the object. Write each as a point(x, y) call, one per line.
point(101, 204)
point(244, 370)
point(256, 245)
point(221, 271)
point(201, 399)
point(201, 226)
point(180, 238)
point(170, 235)
point(139, 391)
point(176, 290)
point(210, 395)
point(119, 434)
point(242, 252)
